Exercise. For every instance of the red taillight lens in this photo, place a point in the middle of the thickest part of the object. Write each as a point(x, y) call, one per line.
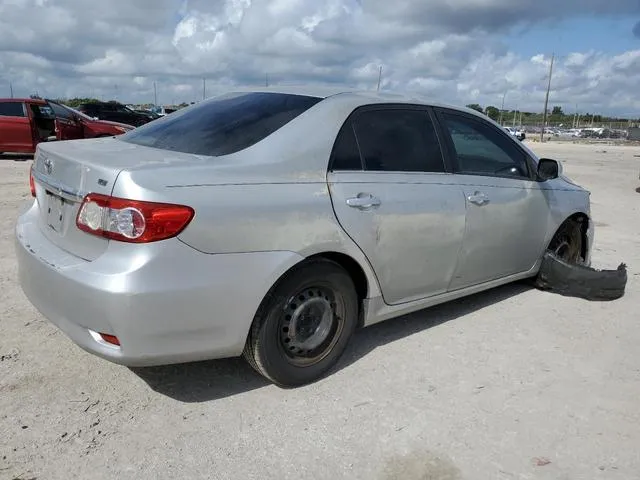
point(112, 339)
point(32, 183)
point(131, 220)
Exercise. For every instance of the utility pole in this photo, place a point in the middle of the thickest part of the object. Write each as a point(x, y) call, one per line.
point(546, 100)
point(379, 78)
point(515, 114)
point(11, 88)
point(502, 108)
point(155, 95)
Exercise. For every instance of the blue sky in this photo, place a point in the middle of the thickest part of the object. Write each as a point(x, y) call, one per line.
point(601, 33)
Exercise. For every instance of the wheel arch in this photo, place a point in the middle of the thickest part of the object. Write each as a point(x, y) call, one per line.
point(583, 220)
point(359, 275)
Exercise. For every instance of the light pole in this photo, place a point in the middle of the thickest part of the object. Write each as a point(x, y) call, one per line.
point(502, 107)
point(546, 100)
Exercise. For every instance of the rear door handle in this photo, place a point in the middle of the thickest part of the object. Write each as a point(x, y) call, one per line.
point(363, 201)
point(478, 198)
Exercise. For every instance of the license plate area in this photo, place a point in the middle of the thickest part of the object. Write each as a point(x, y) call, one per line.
point(55, 212)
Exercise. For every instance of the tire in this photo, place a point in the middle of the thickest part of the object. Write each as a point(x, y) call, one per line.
point(567, 243)
point(303, 325)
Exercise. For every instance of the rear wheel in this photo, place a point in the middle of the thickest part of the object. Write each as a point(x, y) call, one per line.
point(304, 324)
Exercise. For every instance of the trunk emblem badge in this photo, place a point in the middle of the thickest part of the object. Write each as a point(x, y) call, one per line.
point(48, 165)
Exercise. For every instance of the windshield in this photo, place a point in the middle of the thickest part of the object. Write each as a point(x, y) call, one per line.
point(222, 126)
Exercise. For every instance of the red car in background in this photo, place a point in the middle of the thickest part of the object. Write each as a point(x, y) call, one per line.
point(25, 122)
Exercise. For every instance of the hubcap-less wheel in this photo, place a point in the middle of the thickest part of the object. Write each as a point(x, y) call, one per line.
point(304, 323)
point(310, 325)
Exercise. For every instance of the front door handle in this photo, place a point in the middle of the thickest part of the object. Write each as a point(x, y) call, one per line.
point(478, 198)
point(363, 201)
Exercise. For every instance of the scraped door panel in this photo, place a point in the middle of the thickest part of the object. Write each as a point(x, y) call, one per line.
point(409, 226)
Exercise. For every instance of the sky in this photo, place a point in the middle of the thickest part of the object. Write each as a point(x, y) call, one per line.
point(455, 51)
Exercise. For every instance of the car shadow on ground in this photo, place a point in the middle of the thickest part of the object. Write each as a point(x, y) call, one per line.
point(215, 379)
point(16, 157)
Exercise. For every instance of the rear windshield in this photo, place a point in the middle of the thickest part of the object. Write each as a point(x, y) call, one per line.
point(225, 125)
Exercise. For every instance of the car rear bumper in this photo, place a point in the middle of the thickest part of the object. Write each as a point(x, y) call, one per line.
point(166, 302)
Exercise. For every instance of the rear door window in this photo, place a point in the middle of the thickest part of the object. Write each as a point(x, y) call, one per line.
point(398, 140)
point(222, 126)
point(12, 109)
point(345, 154)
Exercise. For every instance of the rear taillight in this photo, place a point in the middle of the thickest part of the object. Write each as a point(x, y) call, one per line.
point(112, 339)
point(131, 220)
point(32, 183)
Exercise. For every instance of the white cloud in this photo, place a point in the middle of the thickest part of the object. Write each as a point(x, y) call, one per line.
point(450, 49)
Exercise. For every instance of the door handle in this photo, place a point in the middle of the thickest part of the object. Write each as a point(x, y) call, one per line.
point(363, 201)
point(478, 198)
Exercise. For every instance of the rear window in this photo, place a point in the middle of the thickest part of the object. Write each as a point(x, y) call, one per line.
point(222, 126)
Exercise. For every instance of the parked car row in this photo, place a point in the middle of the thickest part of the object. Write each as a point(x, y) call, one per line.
point(26, 122)
point(588, 132)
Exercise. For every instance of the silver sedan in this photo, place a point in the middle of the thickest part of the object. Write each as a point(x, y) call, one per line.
point(272, 223)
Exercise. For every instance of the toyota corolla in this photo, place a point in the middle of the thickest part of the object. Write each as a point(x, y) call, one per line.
point(273, 223)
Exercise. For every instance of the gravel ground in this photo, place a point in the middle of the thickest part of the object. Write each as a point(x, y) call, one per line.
point(509, 384)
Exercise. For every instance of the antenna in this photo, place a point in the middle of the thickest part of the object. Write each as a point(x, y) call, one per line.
point(155, 94)
point(266, 79)
point(11, 88)
point(379, 78)
point(546, 100)
point(204, 88)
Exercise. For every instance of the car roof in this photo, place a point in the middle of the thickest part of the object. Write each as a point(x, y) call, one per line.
point(362, 97)
point(26, 100)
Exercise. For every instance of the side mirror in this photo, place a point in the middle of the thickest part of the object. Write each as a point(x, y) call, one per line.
point(548, 169)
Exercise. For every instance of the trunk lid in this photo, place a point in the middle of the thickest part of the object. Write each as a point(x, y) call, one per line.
point(64, 173)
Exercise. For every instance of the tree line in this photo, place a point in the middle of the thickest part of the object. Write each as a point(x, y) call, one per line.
point(554, 116)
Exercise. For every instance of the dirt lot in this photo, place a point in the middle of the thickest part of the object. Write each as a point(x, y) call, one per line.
point(509, 384)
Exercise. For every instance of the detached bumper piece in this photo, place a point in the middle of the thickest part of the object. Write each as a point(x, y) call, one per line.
point(572, 280)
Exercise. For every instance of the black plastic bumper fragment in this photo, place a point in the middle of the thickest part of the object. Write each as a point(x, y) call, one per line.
point(572, 280)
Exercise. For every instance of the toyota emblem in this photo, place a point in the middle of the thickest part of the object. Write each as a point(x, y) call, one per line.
point(48, 165)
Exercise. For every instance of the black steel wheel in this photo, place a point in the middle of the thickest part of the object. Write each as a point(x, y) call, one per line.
point(303, 325)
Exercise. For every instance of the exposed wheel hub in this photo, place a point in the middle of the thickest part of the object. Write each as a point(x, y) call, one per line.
point(309, 324)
